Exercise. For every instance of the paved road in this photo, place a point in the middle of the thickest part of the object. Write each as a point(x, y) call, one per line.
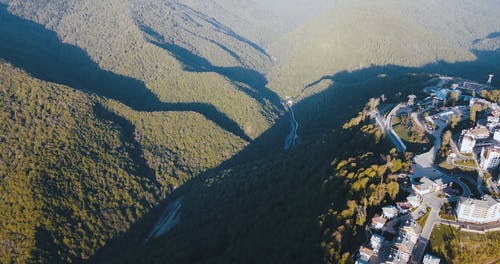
point(386, 126)
point(472, 226)
point(169, 219)
point(434, 202)
point(415, 118)
point(292, 137)
point(400, 146)
point(424, 163)
point(424, 166)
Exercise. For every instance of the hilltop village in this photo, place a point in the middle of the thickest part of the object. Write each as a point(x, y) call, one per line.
point(453, 127)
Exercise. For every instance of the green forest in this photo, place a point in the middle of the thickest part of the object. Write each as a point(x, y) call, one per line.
point(111, 110)
point(457, 246)
point(63, 171)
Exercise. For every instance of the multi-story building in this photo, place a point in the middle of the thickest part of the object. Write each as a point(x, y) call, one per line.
point(426, 185)
point(365, 254)
point(479, 132)
point(471, 136)
point(378, 222)
point(390, 212)
point(468, 143)
point(478, 210)
point(376, 242)
point(490, 157)
point(496, 136)
point(414, 199)
point(430, 259)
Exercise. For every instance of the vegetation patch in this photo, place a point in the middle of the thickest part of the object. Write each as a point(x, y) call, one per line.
point(421, 221)
point(455, 246)
point(446, 211)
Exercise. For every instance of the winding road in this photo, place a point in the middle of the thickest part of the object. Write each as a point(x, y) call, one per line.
point(424, 166)
point(169, 219)
point(292, 137)
point(386, 126)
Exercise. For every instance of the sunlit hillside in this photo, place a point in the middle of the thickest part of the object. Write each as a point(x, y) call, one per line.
point(357, 34)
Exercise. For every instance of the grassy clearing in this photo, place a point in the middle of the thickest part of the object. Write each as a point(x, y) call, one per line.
point(455, 246)
point(421, 221)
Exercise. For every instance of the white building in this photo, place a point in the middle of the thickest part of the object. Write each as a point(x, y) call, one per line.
point(493, 122)
point(426, 186)
point(496, 136)
point(376, 243)
point(414, 200)
point(490, 157)
point(478, 211)
point(479, 132)
point(468, 143)
point(479, 101)
point(378, 222)
point(493, 119)
point(430, 259)
point(397, 257)
point(390, 211)
point(365, 254)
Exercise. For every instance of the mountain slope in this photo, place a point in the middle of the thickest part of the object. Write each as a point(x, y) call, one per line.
point(111, 109)
point(269, 210)
point(66, 158)
point(64, 166)
point(112, 37)
point(351, 36)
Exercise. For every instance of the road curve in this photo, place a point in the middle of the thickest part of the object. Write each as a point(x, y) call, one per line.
point(292, 137)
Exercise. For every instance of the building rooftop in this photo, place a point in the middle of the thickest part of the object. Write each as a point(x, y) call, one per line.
point(389, 211)
point(378, 220)
point(469, 137)
point(365, 253)
point(430, 259)
point(480, 132)
point(490, 150)
point(376, 241)
point(397, 257)
point(486, 202)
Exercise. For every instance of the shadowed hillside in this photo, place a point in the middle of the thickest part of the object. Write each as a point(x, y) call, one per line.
point(249, 81)
point(266, 209)
point(113, 109)
point(351, 36)
point(53, 61)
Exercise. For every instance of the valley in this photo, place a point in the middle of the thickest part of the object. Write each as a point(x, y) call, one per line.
point(224, 131)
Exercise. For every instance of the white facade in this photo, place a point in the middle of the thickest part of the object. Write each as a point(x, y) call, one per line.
point(378, 222)
point(390, 212)
point(365, 254)
point(493, 119)
point(496, 136)
point(426, 186)
point(430, 259)
point(414, 200)
point(478, 211)
point(468, 143)
point(376, 242)
point(490, 157)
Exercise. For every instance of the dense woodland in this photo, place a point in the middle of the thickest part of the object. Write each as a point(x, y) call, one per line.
point(251, 212)
point(121, 106)
point(63, 173)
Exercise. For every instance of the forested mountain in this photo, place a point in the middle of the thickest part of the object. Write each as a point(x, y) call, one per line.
point(113, 109)
point(65, 164)
point(351, 35)
point(111, 35)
